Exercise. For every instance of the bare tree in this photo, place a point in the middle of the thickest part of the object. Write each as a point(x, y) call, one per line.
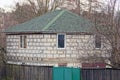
point(33, 8)
point(2, 43)
point(43, 6)
point(110, 29)
point(23, 13)
point(107, 26)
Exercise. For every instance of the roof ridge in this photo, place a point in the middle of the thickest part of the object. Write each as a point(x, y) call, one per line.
point(53, 20)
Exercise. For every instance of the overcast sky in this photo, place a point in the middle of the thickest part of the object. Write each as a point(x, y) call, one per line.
point(8, 4)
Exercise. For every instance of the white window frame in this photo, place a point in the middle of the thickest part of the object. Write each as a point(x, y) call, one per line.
point(64, 40)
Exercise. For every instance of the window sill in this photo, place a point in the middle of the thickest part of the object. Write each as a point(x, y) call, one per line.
point(98, 48)
point(61, 48)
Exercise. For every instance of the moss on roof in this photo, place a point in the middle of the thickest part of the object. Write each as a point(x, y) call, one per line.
point(54, 21)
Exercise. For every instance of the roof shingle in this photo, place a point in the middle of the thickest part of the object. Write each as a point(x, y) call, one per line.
point(54, 21)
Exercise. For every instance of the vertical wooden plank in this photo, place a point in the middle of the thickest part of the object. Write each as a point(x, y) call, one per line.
point(50, 73)
point(46, 73)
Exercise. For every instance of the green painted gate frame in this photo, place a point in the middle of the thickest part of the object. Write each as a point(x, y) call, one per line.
point(66, 73)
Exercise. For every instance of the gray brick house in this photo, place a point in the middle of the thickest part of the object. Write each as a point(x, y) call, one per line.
point(57, 38)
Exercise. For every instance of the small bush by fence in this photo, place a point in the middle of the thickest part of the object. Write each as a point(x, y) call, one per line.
point(24, 72)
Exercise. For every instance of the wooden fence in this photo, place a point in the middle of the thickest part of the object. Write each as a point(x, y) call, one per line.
point(24, 72)
point(2, 71)
point(100, 74)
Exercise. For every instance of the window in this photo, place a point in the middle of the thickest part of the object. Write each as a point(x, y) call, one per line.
point(23, 42)
point(61, 41)
point(98, 41)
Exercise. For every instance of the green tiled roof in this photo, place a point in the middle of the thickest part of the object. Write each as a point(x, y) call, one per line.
point(54, 21)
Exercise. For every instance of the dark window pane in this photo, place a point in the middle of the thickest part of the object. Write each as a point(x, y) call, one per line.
point(61, 43)
point(23, 42)
point(98, 41)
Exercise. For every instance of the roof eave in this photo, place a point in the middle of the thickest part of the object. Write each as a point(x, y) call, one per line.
point(44, 32)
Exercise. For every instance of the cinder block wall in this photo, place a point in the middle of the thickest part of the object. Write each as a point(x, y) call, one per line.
point(42, 49)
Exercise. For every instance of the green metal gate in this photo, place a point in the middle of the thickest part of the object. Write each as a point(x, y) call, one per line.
point(64, 73)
